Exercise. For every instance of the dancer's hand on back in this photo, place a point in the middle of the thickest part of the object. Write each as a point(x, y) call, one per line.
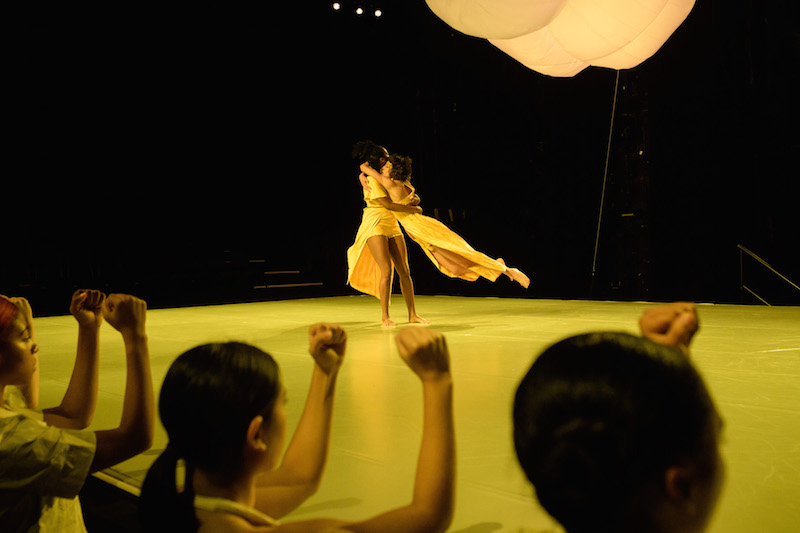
point(425, 352)
point(327, 344)
point(364, 182)
point(673, 324)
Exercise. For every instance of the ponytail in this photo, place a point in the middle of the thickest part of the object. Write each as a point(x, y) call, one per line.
point(161, 506)
point(227, 383)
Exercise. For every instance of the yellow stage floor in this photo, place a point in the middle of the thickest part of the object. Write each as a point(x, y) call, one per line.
point(750, 356)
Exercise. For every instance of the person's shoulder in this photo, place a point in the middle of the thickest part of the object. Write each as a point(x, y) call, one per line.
point(212, 522)
point(15, 416)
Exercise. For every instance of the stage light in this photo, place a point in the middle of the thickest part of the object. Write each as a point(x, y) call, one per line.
point(378, 13)
point(359, 11)
point(563, 37)
point(337, 6)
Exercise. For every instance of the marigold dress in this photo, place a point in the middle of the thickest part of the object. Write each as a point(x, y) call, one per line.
point(363, 272)
point(447, 250)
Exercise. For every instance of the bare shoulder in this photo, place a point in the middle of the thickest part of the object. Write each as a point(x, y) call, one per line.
point(211, 522)
point(320, 525)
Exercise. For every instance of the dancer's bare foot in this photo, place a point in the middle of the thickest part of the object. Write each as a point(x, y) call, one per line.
point(515, 274)
point(386, 321)
point(416, 319)
point(519, 277)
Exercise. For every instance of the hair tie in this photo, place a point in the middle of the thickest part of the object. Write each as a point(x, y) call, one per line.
point(180, 475)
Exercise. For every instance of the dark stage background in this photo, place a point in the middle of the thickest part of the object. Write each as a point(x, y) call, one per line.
point(181, 161)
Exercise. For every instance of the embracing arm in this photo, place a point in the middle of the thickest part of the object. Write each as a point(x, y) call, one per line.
point(371, 172)
point(387, 203)
point(392, 206)
point(300, 473)
point(387, 184)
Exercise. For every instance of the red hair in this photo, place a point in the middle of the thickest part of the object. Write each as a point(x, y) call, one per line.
point(7, 312)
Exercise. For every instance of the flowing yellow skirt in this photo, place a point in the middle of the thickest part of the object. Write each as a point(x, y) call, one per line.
point(363, 273)
point(448, 251)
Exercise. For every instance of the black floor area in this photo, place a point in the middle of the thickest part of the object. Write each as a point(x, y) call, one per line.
point(108, 509)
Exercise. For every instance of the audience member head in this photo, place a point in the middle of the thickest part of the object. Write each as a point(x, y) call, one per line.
point(619, 433)
point(372, 153)
point(8, 312)
point(221, 405)
point(17, 347)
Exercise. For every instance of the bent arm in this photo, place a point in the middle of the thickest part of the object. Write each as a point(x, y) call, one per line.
point(392, 206)
point(298, 477)
point(77, 408)
point(385, 181)
point(135, 431)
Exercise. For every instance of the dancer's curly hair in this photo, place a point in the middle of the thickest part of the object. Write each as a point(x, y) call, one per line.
point(401, 167)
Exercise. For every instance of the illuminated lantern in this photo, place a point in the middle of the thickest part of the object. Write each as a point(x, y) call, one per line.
point(563, 37)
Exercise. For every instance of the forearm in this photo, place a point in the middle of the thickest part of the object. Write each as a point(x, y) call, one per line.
point(307, 452)
point(404, 208)
point(282, 490)
point(80, 400)
point(138, 410)
point(434, 487)
point(393, 206)
point(135, 432)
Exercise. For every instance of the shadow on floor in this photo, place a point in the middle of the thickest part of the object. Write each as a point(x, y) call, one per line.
point(107, 508)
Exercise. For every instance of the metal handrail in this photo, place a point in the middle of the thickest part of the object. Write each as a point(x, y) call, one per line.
point(769, 267)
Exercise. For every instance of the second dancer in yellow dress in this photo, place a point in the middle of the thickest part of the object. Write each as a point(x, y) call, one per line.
point(447, 250)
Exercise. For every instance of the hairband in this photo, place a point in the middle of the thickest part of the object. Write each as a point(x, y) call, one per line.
point(180, 475)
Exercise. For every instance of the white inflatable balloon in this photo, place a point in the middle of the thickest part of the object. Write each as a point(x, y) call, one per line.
point(563, 37)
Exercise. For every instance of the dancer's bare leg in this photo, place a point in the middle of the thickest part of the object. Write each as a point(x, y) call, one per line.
point(459, 265)
point(453, 262)
point(397, 249)
point(379, 248)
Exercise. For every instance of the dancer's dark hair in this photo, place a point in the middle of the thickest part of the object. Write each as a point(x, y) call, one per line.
point(372, 153)
point(600, 417)
point(207, 401)
point(401, 167)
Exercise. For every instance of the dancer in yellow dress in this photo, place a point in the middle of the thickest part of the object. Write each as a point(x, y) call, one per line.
point(379, 246)
point(451, 254)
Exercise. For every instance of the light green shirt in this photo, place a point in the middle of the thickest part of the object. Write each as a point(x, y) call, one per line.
point(42, 470)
